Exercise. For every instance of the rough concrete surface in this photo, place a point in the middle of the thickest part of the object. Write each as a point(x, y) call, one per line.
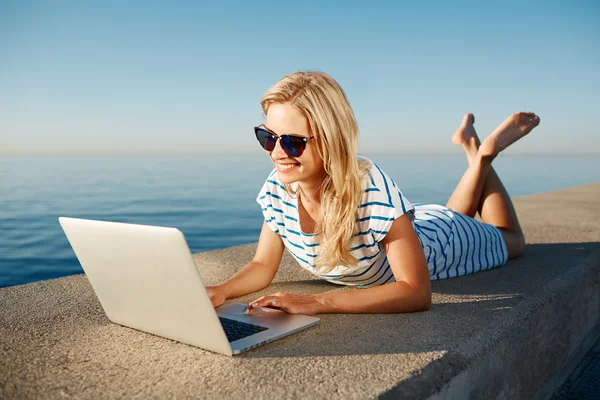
point(584, 381)
point(496, 334)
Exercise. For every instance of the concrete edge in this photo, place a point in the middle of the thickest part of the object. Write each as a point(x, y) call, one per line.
point(564, 371)
point(542, 338)
point(543, 333)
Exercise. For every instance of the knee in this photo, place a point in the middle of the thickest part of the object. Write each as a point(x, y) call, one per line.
point(518, 245)
point(520, 242)
point(515, 242)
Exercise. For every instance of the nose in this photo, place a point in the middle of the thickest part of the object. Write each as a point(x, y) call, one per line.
point(278, 153)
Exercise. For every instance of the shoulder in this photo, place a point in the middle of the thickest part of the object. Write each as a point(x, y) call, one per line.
point(272, 184)
point(273, 193)
point(277, 206)
point(382, 199)
point(376, 183)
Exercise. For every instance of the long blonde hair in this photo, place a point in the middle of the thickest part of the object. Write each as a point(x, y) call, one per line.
point(322, 101)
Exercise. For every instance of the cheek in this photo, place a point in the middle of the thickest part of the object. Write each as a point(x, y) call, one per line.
point(314, 160)
point(318, 163)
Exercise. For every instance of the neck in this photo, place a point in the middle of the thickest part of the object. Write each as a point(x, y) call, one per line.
point(311, 190)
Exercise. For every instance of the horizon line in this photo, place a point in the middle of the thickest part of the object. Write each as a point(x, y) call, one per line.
point(198, 154)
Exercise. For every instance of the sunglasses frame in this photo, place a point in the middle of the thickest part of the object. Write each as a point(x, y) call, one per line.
point(279, 137)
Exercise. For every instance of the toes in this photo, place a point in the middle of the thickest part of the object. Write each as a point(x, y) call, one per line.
point(527, 116)
point(532, 118)
point(468, 119)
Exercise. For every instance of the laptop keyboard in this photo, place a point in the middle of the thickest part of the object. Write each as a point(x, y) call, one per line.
point(236, 330)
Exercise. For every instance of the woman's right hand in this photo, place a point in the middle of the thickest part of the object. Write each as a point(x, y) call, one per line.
point(216, 295)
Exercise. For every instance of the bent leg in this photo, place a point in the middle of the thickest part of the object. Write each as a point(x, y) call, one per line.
point(466, 197)
point(480, 188)
point(495, 206)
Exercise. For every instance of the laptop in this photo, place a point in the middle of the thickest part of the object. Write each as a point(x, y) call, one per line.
point(146, 279)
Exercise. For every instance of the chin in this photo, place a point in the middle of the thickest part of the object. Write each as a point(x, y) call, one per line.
point(286, 178)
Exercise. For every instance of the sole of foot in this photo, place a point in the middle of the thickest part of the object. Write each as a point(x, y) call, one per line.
point(512, 129)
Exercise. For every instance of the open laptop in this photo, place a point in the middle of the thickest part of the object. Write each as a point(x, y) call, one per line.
point(145, 278)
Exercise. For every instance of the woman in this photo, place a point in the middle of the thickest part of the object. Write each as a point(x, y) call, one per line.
point(346, 221)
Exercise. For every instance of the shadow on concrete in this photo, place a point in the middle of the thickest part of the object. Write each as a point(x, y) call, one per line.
point(462, 308)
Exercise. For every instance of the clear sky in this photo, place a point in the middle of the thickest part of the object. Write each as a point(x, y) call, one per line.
point(186, 77)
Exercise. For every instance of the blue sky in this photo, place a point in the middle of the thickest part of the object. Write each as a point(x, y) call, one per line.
point(186, 77)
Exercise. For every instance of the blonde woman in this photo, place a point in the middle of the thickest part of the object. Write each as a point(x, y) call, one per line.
point(344, 220)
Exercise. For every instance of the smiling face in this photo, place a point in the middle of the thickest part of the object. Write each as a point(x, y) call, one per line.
point(284, 119)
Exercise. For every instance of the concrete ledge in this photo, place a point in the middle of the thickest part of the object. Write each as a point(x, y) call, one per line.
point(496, 334)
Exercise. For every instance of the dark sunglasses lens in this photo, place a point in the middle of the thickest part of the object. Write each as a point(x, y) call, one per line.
point(293, 146)
point(266, 140)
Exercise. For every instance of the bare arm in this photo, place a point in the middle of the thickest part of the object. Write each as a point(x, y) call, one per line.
point(410, 293)
point(412, 290)
point(258, 273)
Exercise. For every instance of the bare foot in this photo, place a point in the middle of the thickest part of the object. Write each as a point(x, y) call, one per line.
point(466, 132)
point(512, 129)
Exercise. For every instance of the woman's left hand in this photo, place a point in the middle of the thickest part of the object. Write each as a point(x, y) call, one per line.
point(292, 303)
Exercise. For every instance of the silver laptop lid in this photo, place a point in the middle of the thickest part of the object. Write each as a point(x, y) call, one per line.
point(145, 278)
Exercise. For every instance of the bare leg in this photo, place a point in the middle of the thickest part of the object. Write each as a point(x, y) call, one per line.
point(480, 188)
point(466, 196)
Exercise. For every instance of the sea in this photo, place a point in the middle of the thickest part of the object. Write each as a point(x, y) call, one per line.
point(210, 198)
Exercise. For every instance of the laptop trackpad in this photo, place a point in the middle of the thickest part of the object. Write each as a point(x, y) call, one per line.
point(262, 316)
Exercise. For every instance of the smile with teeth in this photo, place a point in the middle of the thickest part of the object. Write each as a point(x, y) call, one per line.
point(286, 167)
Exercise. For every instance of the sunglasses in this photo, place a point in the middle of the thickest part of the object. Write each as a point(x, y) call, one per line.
point(293, 145)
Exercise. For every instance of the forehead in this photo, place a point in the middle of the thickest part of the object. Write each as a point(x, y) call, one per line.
point(283, 118)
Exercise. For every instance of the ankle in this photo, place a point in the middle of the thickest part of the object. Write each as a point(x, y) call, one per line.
point(471, 149)
point(471, 145)
point(483, 159)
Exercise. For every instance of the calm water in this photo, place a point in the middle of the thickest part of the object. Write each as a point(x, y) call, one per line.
point(210, 199)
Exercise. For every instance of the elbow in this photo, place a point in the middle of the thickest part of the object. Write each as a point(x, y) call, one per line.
point(423, 299)
point(426, 295)
point(426, 304)
point(416, 299)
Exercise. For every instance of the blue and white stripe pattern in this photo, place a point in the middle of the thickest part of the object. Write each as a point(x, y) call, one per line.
point(454, 244)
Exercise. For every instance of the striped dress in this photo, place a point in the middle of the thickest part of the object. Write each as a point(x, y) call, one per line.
point(454, 244)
